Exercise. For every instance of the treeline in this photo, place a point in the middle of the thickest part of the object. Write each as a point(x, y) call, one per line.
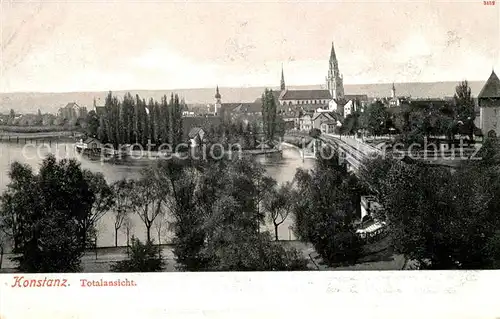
point(438, 218)
point(417, 120)
point(247, 135)
point(133, 120)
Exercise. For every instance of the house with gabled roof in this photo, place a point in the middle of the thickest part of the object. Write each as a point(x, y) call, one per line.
point(196, 136)
point(325, 122)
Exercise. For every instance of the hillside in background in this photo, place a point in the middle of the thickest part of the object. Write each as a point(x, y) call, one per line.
point(51, 102)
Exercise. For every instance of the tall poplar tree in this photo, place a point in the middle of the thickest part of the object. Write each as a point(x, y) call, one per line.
point(269, 111)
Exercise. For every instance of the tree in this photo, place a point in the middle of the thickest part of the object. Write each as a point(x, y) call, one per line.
point(126, 229)
point(161, 227)
point(4, 240)
point(279, 204)
point(39, 118)
point(143, 258)
point(269, 115)
point(103, 201)
point(352, 123)
point(92, 124)
point(232, 244)
point(374, 118)
point(45, 214)
point(122, 190)
point(441, 219)
point(215, 220)
point(148, 200)
point(464, 108)
point(373, 174)
point(325, 211)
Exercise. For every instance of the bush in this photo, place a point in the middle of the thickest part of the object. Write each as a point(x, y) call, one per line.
point(143, 258)
point(256, 253)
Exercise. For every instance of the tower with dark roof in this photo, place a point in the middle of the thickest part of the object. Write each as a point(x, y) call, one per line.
point(334, 80)
point(489, 104)
point(218, 104)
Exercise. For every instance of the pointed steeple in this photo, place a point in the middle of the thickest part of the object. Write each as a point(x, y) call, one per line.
point(333, 57)
point(393, 91)
point(282, 84)
point(217, 94)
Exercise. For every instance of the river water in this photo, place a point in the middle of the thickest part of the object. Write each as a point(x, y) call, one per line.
point(282, 168)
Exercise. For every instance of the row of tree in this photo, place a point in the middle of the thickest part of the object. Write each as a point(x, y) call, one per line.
point(417, 120)
point(132, 120)
point(215, 209)
point(247, 135)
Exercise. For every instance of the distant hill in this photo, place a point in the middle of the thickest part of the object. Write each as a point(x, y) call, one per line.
point(51, 102)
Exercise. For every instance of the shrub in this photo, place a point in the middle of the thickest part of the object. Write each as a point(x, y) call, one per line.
point(143, 258)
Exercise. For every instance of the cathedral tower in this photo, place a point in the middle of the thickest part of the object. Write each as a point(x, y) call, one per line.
point(334, 80)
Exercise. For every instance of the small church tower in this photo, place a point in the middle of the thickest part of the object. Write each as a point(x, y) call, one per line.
point(282, 84)
point(489, 104)
point(393, 91)
point(218, 104)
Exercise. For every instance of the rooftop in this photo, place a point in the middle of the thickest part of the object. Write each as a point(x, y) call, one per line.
point(491, 88)
point(306, 95)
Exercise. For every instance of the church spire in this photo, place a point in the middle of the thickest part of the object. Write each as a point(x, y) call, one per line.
point(217, 94)
point(393, 91)
point(333, 57)
point(335, 81)
point(282, 84)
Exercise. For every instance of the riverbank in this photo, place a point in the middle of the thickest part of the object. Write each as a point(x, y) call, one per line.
point(28, 137)
point(34, 129)
point(144, 156)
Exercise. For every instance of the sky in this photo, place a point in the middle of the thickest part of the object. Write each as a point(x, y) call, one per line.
point(65, 46)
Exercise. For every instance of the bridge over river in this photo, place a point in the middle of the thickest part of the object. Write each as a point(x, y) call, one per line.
point(355, 152)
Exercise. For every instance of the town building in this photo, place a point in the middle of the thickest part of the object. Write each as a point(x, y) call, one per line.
point(325, 122)
point(196, 136)
point(305, 123)
point(71, 112)
point(489, 105)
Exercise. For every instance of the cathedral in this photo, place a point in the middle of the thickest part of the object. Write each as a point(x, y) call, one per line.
point(330, 102)
point(330, 99)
